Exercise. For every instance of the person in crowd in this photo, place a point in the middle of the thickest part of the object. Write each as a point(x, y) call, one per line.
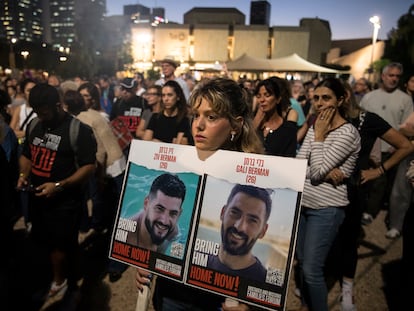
point(401, 193)
point(153, 97)
point(307, 101)
point(245, 215)
point(54, 81)
point(16, 96)
point(168, 67)
point(107, 94)
point(361, 87)
point(221, 120)
point(407, 270)
point(331, 147)
point(409, 86)
point(23, 114)
point(171, 124)
point(5, 101)
point(68, 85)
point(370, 127)
point(111, 162)
point(141, 87)
point(394, 106)
point(58, 158)
point(130, 107)
point(91, 97)
point(297, 89)
point(8, 139)
point(157, 224)
point(294, 111)
point(278, 135)
point(110, 170)
point(9, 162)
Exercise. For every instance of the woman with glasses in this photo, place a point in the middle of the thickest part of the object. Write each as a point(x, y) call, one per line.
point(153, 97)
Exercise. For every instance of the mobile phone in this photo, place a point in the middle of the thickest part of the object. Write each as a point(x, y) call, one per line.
point(29, 188)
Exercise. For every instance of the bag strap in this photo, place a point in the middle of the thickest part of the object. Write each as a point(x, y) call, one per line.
point(26, 120)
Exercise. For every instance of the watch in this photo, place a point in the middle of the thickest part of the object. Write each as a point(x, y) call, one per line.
point(58, 186)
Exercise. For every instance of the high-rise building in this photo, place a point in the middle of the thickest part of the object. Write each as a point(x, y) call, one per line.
point(260, 13)
point(60, 19)
point(21, 19)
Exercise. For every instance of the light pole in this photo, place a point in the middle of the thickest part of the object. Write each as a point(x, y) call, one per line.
point(25, 54)
point(376, 22)
point(12, 59)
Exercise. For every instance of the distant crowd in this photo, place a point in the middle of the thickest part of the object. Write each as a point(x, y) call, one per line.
point(65, 146)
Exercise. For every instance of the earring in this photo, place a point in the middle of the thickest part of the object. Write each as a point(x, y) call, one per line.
point(233, 134)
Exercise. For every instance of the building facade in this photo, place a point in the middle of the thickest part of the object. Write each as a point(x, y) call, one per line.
point(202, 46)
point(21, 20)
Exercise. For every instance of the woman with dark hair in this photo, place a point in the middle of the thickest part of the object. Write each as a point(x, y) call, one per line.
point(171, 124)
point(278, 134)
point(91, 96)
point(331, 147)
point(370, 127)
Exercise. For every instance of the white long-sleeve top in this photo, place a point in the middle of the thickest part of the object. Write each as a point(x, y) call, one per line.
point(339, 150)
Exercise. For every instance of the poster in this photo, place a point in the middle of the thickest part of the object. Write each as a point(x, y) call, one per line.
point(236, 230)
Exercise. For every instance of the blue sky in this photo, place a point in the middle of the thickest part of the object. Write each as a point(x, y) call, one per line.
point(349, 19)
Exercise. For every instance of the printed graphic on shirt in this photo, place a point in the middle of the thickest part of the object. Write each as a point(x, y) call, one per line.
point(43, 152)
point(132, 118)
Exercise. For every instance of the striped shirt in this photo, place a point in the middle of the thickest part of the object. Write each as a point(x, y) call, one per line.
point(339, 150)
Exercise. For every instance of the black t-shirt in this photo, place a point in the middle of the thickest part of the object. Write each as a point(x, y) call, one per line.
point(281, 141)
point(52, 155)
point(129, 111)
point(373, 126)
point(255, 272)
point(166, 128)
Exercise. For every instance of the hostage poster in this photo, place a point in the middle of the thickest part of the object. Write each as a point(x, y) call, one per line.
point(235, 232)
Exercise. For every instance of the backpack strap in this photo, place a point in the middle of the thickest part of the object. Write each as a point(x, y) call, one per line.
point(32, 124)
point(73, 136)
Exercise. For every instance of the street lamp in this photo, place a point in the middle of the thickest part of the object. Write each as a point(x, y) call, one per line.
point(375, 20)
point(12, 59)
point(25, 54)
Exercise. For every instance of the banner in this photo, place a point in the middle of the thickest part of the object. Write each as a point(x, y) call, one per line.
point(226, 224)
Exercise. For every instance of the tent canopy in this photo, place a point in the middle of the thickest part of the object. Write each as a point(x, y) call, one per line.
point(288, 63)
point(249, 63)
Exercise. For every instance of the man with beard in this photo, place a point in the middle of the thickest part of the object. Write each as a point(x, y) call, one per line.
point(244, 220)
point(157, 222)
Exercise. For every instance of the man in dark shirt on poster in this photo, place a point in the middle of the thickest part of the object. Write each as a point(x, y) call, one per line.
point(58, 157)
point(244, 220)
point(157, 223)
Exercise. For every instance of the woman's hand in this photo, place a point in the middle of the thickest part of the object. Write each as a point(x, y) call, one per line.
point(323, 123)
point(370, 174)
point(142, 278)
point(335, 176)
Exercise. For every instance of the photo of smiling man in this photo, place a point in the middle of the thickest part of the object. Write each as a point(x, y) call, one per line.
point(243, 221)
point(156, 223)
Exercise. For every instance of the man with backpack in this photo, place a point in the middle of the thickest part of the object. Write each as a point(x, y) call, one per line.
point(58, 157)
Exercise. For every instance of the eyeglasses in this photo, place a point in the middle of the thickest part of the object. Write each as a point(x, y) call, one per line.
point(152, 94)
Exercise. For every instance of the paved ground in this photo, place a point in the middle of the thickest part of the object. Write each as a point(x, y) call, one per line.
point(377, 281)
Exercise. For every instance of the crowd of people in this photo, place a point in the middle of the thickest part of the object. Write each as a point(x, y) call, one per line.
point(65, 146)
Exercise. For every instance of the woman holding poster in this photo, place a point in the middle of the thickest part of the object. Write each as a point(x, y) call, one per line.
point(331, 147)
point(221, 120)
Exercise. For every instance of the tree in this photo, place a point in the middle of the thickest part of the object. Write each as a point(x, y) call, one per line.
point(400, 45)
